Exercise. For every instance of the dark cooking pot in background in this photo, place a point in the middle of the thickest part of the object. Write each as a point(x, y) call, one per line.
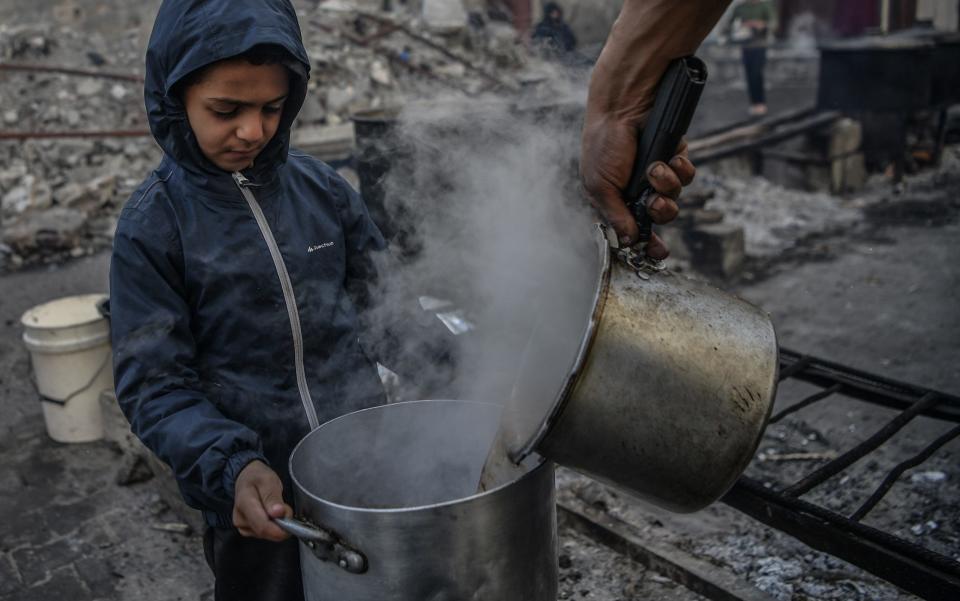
point(890, 73)
point(386, 510)
point(945, 84)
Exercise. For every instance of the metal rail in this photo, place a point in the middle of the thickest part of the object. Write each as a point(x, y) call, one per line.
point(914, 568)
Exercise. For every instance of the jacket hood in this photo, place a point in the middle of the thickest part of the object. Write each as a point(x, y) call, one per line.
point(191, 34)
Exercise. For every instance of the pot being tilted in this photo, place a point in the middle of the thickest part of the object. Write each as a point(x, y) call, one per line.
point(670, 391)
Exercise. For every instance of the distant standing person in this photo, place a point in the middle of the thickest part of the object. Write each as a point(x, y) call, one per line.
point(552, 33)
point(752, 23)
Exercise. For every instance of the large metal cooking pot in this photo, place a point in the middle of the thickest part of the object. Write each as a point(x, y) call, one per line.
point(889, 73)
point(670, 391)
point(386, 510)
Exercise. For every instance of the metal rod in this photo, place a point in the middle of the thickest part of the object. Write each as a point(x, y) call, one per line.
point(858, 452)
point(865, 386)
point(813, 398)
point(920, 571)
point(793, 368)
point(70, 71)
point(117, 133)
point(897, 471)
point(779, 134)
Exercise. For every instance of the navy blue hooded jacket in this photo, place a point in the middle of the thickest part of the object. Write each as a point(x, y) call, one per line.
point(203, 336)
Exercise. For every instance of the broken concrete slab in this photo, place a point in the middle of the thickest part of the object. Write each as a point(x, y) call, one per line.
point(717, 248)
point(58, 228)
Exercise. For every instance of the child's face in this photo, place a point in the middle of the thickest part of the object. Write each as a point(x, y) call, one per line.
point(235, 109)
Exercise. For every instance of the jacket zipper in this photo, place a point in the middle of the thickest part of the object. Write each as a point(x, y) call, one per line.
point(244, 184)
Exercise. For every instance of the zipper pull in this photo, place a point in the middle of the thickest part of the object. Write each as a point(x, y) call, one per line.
point(241, 179)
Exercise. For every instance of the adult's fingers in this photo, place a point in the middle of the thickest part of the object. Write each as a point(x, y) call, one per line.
point(684, 169)
point(656, 249)
point(663, 210)
point(609, 202)
point(663, 179)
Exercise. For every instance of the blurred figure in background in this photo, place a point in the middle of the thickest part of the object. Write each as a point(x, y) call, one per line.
point(552, 34)
point(751, 26)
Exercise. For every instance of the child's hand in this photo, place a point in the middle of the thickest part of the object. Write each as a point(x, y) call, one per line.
point(258, 498)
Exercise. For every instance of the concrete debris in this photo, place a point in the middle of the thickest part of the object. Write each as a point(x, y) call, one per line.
point(133, 469)
point(365, 54)
point(380, 73)
point(174, 527)
point(56, 229)
point(928, 477)
point(444, 16)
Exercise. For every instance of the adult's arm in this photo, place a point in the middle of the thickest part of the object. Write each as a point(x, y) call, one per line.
point(646, 36)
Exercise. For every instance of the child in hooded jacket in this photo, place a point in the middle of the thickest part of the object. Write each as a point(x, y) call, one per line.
point(232, 329)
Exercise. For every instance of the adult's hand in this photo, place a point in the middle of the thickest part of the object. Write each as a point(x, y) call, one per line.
point(609, 151)
point(647, 35)
point(258, 497)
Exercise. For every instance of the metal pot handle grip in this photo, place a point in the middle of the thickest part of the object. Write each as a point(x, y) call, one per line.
point(325, 545)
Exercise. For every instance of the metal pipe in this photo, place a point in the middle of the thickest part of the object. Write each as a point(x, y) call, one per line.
point(69, 71)
point(813, 398)
point(921, 571)
point(865, 386)
point(117, 133)
point(897, 471)
point(858, 452)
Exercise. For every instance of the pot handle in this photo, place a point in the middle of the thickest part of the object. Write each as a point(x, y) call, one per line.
point(324, 544)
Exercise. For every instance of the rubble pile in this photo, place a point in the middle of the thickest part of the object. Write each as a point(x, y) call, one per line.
point(60, 196)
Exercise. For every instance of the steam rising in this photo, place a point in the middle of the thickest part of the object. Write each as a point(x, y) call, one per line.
point(485, 196)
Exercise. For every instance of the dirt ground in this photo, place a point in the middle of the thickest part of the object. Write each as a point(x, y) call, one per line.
point(879, 297)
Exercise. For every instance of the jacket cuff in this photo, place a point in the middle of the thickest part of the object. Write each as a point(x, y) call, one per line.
point(235, 465)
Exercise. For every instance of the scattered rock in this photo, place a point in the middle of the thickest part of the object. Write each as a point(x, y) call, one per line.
point(31, 194)
point(90, 195)
point(118, 92)
point(928, 477)
point(380, 73)
point(90, 87)
point(444, 16)
point(56, 229)
point(133, 470)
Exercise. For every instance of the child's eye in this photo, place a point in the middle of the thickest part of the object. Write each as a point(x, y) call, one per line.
point(272, 110)
point(225, 114)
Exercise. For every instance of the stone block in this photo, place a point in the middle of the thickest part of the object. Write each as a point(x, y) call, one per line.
point(717, 249)
point(62, 584)
point(848, 174)
point(58, 228)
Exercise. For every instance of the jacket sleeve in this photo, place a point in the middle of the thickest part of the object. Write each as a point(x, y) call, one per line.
point(157, 383)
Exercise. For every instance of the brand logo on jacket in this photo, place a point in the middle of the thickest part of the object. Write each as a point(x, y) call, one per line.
point(317, 247)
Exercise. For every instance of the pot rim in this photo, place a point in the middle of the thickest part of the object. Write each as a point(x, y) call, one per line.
point(543, 462)
point(573, 374)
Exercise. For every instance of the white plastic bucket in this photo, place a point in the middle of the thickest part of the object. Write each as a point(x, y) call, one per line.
point(69, 344)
